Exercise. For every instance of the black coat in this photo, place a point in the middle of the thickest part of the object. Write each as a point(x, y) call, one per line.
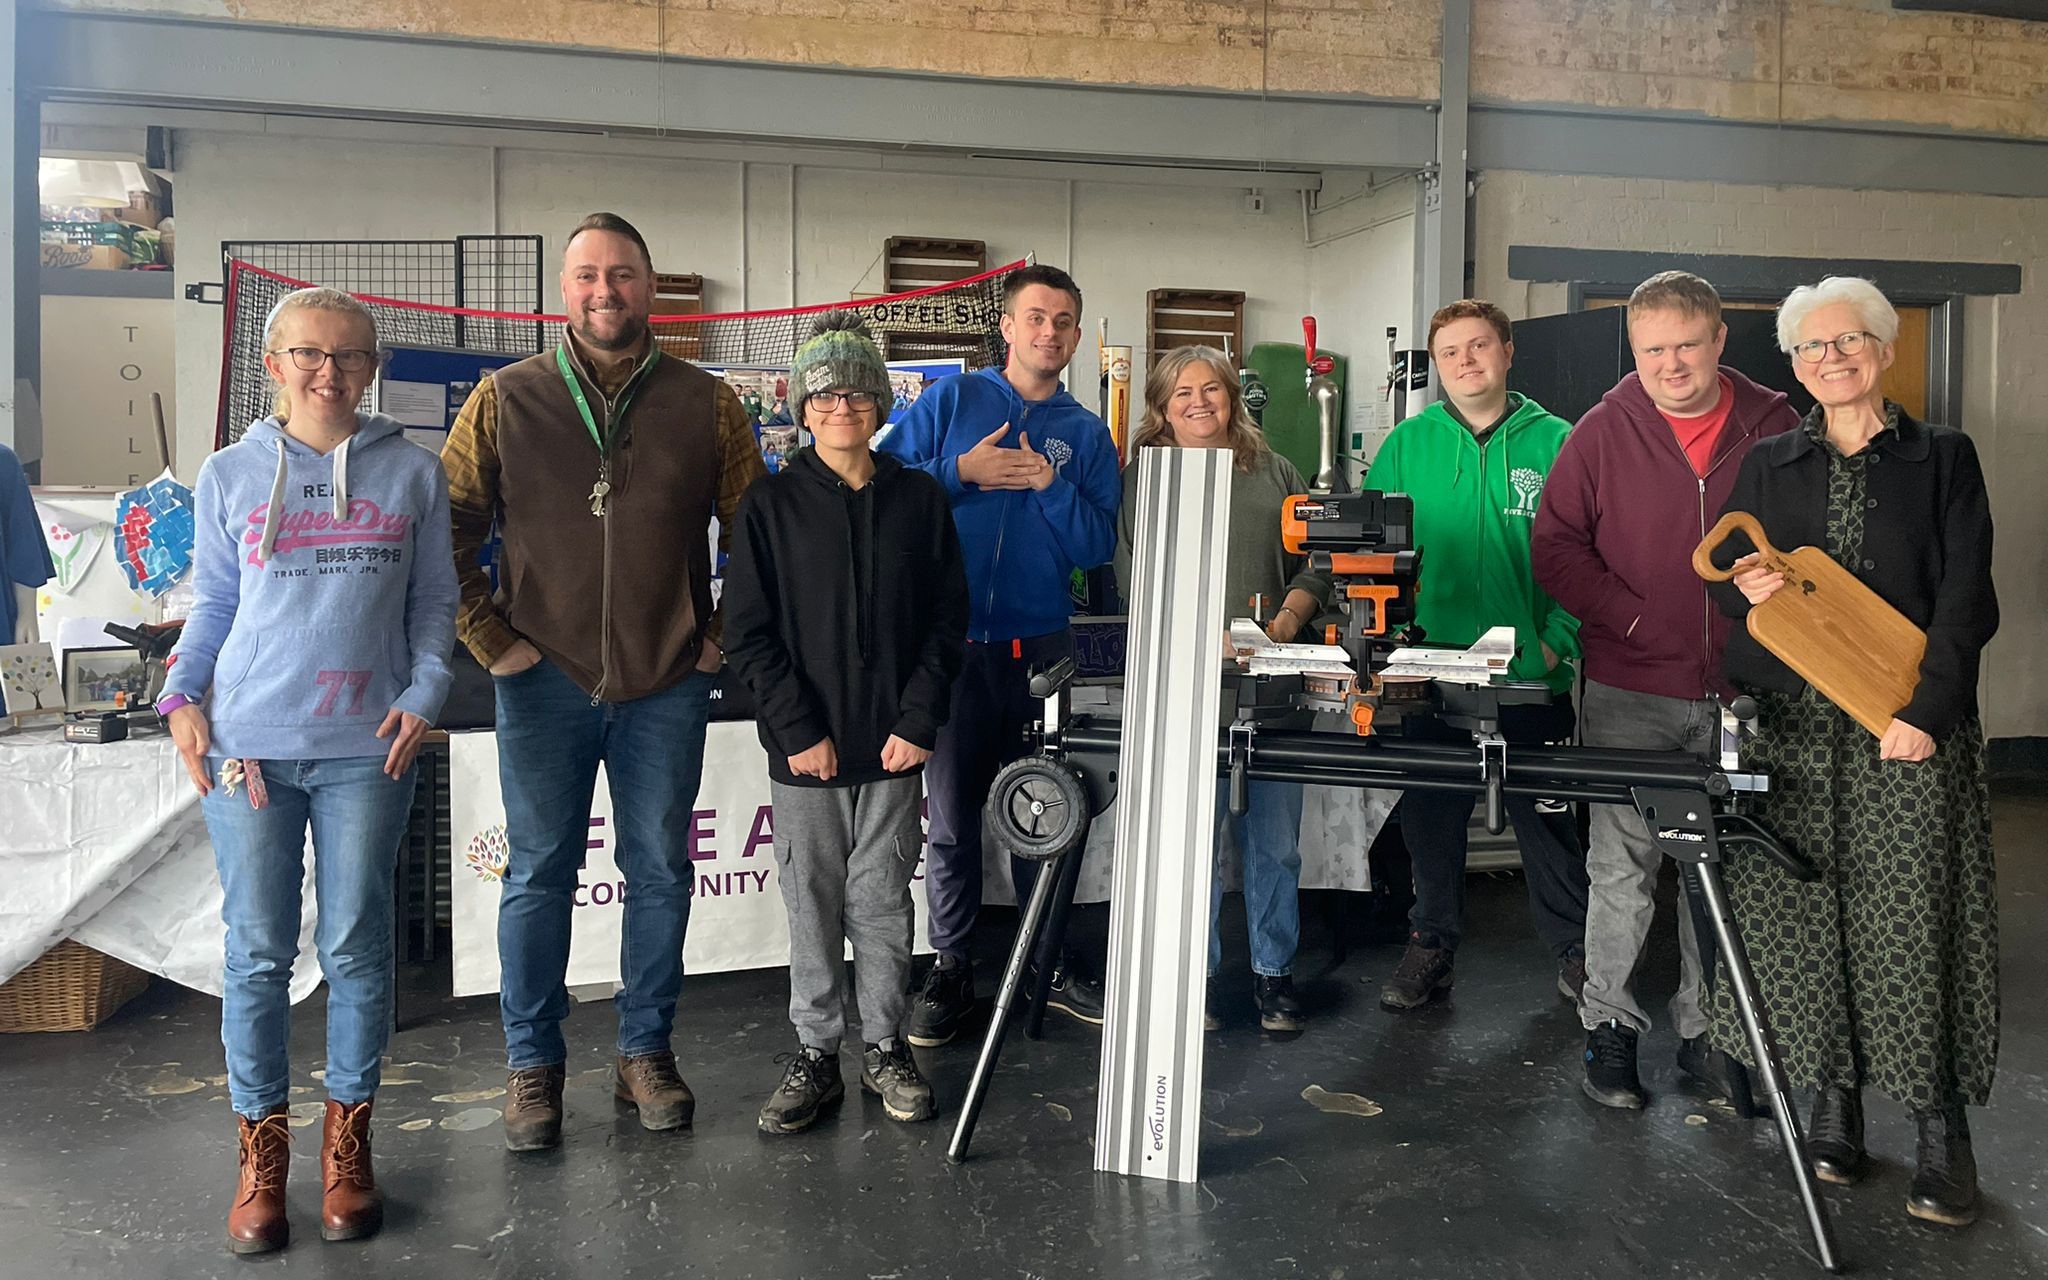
point(1926, 551)
point(845, 613)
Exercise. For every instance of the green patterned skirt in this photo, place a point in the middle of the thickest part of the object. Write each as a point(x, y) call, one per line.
point(1884, 972)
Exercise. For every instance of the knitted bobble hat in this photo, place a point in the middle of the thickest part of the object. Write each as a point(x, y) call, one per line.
point(839, 355)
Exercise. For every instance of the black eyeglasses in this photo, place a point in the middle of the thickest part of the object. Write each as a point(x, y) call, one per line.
point(349, 360)
point(1848, 344)
point(827, 401)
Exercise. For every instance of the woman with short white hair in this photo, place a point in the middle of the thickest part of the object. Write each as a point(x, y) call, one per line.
point(1884, 971)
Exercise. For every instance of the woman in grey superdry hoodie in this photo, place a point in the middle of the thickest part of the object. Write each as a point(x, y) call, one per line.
point(314, 661)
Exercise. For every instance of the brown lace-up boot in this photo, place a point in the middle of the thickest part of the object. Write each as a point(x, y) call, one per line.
point(350, 1205)
point(256, 1222)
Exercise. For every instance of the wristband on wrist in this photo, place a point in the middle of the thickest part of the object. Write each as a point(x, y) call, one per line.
point(171, 702)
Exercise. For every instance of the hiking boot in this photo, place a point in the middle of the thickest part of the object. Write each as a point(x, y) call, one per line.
point(256, 1221)
point(1834, 1137)
point(1423, 974)
point(350, 1205)
point(650, 1082)
point(1719, 1072)
point(533, 1108)
point(891, 1075)
point(942, 1004)
point(1080, 998)
point(1571, 977)
point(1611, 1078)
point(810, 1085)
point(1945, 1183)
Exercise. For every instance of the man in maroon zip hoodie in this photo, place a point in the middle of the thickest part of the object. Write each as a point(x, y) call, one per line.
point(1637, 484)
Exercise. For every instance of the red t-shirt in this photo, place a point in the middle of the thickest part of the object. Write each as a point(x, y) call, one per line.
point(1698, 436)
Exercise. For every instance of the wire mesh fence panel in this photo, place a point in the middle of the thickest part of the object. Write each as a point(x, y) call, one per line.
point(957, 320)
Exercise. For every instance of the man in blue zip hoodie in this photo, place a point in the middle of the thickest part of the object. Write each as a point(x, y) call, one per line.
point(1032, 479)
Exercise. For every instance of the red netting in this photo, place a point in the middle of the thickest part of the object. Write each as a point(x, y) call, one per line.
point(950, 321)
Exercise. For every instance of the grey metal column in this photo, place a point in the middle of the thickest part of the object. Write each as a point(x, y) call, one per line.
point(1148, 1122)
point(20, 255)
point(1440, 196)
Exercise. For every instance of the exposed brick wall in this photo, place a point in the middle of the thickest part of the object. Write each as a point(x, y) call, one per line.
point(1857, 60)
point(2005, 380)
point(1385, 48)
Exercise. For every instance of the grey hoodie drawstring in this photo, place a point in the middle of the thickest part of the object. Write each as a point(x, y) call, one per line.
point(272, 512)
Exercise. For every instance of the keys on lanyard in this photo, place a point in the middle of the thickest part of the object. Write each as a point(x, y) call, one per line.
point(603, 488)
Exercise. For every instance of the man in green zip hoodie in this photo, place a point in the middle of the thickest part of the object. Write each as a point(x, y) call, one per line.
point(1475, 463)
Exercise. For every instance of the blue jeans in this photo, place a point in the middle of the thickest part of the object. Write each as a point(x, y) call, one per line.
point(358, 817)
point(551, 740)
point(1269, 849)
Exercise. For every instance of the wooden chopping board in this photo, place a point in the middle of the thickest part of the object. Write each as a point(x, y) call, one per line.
point(1838, 634)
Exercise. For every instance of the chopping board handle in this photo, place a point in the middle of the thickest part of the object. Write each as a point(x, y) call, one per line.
point(1733, 522)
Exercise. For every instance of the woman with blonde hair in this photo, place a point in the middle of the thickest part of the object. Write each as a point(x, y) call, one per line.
point(1193, 401)
point(314, 661)
point(1884, 971)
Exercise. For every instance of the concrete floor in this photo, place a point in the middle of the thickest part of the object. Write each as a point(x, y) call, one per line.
point(1483, 1158)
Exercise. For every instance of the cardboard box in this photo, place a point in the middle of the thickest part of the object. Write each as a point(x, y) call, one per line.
point(145, 206)
point(97, 257)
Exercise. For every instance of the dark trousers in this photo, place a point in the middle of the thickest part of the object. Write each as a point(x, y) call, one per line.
point(992, 706)
point(1434, 825)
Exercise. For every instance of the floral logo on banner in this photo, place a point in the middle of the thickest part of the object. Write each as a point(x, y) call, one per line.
point(486, 855)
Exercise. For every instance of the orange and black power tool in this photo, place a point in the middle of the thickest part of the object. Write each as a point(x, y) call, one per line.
point(1365, 542)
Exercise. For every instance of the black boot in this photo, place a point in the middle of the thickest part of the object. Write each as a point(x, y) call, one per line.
point(1834, 1137)
point(1279, 1010)
point(1719, 1072)
point(1945, 1184)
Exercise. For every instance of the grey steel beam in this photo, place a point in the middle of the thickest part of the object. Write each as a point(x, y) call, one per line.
point(1633, 145)
point(1149, 1098)
point(241, 66)
point(21, 319)
point(1441, 229)
point(1736, 272)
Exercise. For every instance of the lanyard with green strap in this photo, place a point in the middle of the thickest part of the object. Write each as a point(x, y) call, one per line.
point(602, 440)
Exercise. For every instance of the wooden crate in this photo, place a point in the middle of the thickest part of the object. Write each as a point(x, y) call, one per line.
point(70, 988)
point(1178, 317)
point(919, 262)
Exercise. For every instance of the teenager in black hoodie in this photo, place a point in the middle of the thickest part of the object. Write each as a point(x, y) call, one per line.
point(846, 615)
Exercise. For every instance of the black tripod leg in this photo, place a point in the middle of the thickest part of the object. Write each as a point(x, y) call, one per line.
point(1770, 1076)
point(998, 1022)
point(1068, 870)
point(1693, 900)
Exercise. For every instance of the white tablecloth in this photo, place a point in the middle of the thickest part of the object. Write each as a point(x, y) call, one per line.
point(104, 844)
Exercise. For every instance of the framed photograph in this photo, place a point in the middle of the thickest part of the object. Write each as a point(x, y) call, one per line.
point(94, 679)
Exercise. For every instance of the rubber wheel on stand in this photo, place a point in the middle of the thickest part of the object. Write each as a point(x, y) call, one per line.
point(1038, 808)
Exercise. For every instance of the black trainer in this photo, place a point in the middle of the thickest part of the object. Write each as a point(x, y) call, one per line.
point(1074, 994)
point(1719, 1072)
point(889, 1072)
point(1611, 1078)
point(1279, 1011)
point(942, 1004)
point(1423, 974)
point(1212, 1008)
point(810, 1085)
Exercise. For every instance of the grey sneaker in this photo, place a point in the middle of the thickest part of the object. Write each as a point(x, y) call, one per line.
point(810, 1086)
point(891, 1074)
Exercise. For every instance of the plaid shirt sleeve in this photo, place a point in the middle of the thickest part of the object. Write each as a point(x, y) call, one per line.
point(471, 460)
point(739, 465)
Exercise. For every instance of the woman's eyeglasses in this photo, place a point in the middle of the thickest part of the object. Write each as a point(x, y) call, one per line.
point(827, 401)
point(1848, 344)
point(351, 360)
